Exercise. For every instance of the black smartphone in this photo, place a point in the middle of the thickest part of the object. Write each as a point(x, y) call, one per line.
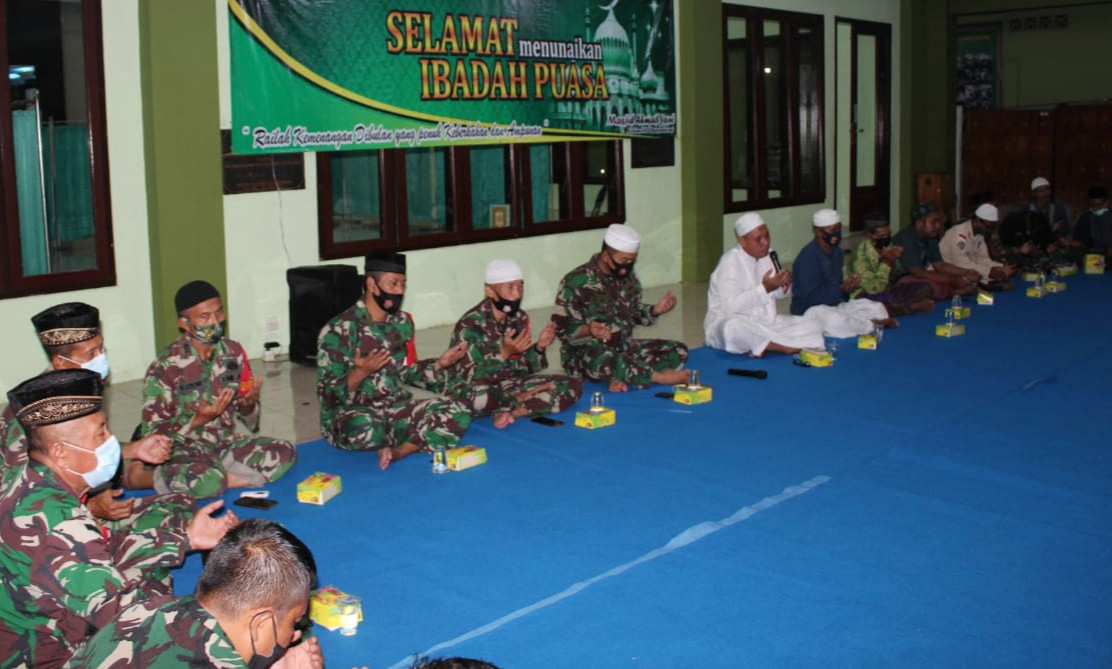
point(255, 502)
point(666, 396)
point(545, 420)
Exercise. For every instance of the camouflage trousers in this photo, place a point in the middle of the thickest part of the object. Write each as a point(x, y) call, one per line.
point(428, 423)
point(200, 467)
point(632, 361)
point(133, 540)
point(484, 399)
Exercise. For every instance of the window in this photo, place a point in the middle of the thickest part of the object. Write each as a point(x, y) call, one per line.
point(55, 227)
point(773, 108)
point(427, 197)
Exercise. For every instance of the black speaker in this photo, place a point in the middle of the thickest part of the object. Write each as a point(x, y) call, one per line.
point(316, 295)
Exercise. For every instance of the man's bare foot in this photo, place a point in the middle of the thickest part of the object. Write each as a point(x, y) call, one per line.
point(887, 322)
point(671, 377)
point(618, 386)
point(504, 419)
point(305, 655)
point(138, 475)
point(237, 481)
point(778, 348)
point(388, 456)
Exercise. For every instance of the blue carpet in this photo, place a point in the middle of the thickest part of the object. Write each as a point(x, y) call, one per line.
point(932, 503)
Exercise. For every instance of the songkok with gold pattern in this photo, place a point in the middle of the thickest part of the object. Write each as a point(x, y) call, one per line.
point(57, 396)
point(65, 324)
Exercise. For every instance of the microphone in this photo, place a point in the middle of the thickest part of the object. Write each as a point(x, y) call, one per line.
point(775, 258)
point(751, 373)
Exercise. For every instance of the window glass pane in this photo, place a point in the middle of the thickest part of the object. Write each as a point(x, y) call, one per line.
point(491, 189)
point(810, 111)
point(738, 96)
point(428, 191)
point(773, 80)
point(54, 191)
point(356, 200)
point(548, 169)
point(866, 110)
point(599, 179)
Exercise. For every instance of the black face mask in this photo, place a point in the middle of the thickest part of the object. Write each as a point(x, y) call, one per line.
point(388, 302)
point(620, 270)
point(508, 307)
point(881, 242)
point(259, 661)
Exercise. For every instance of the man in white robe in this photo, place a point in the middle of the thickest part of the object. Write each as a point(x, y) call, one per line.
point(741, 299)
point(821, 290)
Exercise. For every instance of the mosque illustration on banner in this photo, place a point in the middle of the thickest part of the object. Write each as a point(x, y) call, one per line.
point(634, 86)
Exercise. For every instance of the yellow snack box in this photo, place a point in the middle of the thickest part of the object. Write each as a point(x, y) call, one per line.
point(1036, 291)
point(1094, 263)
point(816, 357)
point(1066, 270)
point(1055, 286)
point(985, 298)
point(1030, 276)
point(324, 607)
point(949, 330)
point(318, 488)
point(685, 394)
point(959, 313)
point(595, 419)
point(466, 457)
point(867, 342)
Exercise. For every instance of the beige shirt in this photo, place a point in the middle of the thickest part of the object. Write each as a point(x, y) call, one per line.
point(964, 248)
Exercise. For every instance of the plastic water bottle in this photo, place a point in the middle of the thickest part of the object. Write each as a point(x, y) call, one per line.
point(693, 381)
point(955, 307)
point(596, 403)
point(349, 615)
point(878, 332)
point(439, 460)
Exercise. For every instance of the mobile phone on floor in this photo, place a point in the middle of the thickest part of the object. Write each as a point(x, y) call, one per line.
point(255, 502)
point(545, 420)
point(666, 396)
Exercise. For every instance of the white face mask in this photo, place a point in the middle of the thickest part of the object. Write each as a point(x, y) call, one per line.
point(99, 364)
point(108, 461)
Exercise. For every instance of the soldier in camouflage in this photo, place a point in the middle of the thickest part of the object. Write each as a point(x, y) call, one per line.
point(193, 393)
point(253, 589)
point(500, 374)
point(597, 306)
point(64, 575)
point(365, 358)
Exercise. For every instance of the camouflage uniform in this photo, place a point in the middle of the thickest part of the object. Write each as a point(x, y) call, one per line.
point(487, 384)
point(587, 293)
point(64, 576)
point(175, 385)
point(159, 633)
point(13, 447)
point(380, 412)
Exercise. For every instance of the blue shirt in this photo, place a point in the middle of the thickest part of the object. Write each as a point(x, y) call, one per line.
point(817, 277)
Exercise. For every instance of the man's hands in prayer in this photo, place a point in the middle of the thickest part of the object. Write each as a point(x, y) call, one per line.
point(452, 356)
point(207, 412)
point(773, 280)
point(600, 331)
point(1002, 272)
point(105, 505)
point(891, 254)
point(851, 283)
point(666, 304)
point(618, 386)
point(153, 449)
point(516, 344)
point(204, 531)
point(247, 401)
point(548, 335)
point(1028, 248)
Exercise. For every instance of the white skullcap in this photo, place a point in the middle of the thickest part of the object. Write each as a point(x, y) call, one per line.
point(987, 212)
point(621, 237)
point(825, 218)
point(1039, 182)
point(747, 223)
point(502, 270)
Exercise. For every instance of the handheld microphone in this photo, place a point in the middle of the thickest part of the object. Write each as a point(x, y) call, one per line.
point(751, 373)
point(775, 258)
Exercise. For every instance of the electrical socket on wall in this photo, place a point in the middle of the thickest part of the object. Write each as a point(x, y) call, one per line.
point(271, 323)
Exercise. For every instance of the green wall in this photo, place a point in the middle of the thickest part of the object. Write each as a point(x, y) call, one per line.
point(700, 146)
point(182, 148)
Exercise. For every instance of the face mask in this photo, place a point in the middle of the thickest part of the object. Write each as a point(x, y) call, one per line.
point(620, 269)
point(383, 299)
point(207, 334)
point(99, 364)
point(258, 661)
point(108, 460)
point(832, 238)
point(508, 307)
point(881, 242)
point(1100, 212)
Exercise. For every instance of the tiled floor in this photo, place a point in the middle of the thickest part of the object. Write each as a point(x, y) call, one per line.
point(290, 409)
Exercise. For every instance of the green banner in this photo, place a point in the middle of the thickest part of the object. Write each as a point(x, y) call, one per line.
point(328, 75)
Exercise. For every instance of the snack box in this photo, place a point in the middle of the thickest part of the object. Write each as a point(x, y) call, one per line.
point(685, 394)
point(985, 298)
point(1094, 263)
point(949, 330)
point(1055, 286)
point(816, 357)
point(1036, 291)
point(318, 488)
point(466, 457)
point(867, 342)
point(1066, 270)
point(595, 419)
point(324, 607)
point(959, 313)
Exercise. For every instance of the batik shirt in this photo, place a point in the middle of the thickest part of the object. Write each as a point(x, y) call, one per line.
point(587, 293)
point(875, 275)
point(63, 575)
point(156, 635)
point(179, 380)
